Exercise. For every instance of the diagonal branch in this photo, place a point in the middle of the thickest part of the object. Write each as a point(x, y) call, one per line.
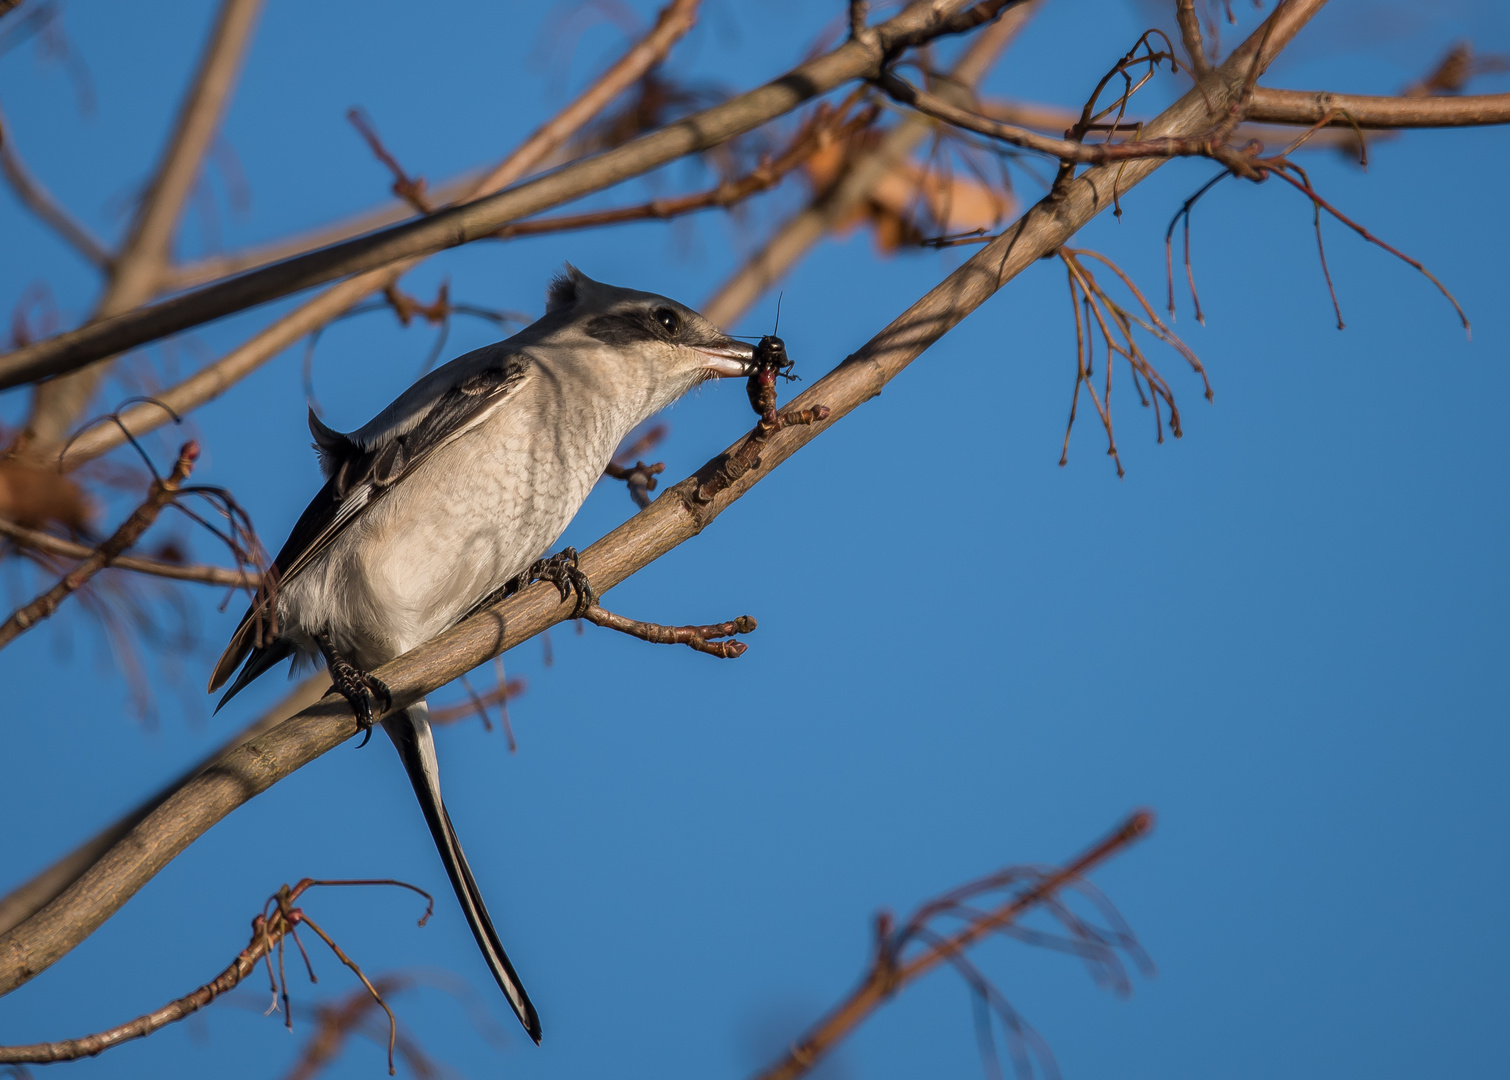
point(890, 973)
point(797, 235)
point(160, 495)
point(26, 899)
point(674, 518)
point(277, 920)
point(726, 193)
point(859, 58)
point(211, 267)
point(139, 268)
point(215, 379)
point(41, 203)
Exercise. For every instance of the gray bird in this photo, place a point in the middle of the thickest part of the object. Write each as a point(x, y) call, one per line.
point(450, 497)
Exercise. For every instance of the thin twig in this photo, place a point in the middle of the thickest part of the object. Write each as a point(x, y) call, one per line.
point(701, 638)
point(277, 920)
point(162, 492)
point(725, 194)
point(36, 540)
point(889, 972)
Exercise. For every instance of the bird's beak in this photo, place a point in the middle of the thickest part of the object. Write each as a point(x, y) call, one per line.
point(728, 361)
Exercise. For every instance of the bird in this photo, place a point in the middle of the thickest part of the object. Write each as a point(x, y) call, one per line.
point(450, 497)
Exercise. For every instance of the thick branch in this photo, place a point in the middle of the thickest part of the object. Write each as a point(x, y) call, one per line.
point(26, 899)
point(214, 379)
point(1368, 111)
point(672, 519)
point(212, 267)
point(920, 21)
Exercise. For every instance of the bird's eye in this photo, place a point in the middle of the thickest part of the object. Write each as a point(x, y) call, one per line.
point(670, 321)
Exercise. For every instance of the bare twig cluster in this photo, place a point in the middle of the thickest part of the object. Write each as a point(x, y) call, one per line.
point(1095, 310)
point(943, 930)
point(278, 921)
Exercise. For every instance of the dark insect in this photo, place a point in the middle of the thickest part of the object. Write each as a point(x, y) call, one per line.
point(770, 361)
point(771, 353)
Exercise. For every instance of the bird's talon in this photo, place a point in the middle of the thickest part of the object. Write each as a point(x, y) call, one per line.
point(561, 571)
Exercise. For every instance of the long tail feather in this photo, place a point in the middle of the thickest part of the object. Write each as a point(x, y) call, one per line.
point(410, 731)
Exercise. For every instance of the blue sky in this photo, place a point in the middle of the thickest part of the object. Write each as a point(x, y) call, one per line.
point(1279, 632)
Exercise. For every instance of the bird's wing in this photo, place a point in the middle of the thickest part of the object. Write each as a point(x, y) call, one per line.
point(363, 466)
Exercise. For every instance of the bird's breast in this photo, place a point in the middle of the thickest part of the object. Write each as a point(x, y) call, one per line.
point(475, 514)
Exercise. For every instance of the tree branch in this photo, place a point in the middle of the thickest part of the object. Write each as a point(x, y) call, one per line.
point(800, 232)
point(41, 203)
point(159, 495)
point(26, 899)
point(1190, 33)
point(919, 22)
point(216, 378)
point(277, 920)
point(137, 273)
point(1370, 111)
point(214, 267)
point(890, 973)
point(48, 544)
point(672, 519)
point(723, 195)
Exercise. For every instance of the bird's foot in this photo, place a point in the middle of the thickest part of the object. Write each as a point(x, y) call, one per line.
point(361, 689)
point(561, 571)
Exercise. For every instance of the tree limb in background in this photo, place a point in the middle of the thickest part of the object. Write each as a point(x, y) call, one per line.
point(30, 897)
point(46, 543)
point(41, 203)
point(215, 379)
point(824, 214)
point(891, 970)
point(212, 267)
point(159, 495)
point(278, 920)
point(920, 22)
point(136, 274)
point(1374, 112)
point(675, 517)
point(824, 127)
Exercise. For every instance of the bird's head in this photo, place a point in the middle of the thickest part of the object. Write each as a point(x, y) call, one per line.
point(666, 344)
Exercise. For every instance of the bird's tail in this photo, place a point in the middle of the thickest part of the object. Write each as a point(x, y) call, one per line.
point(410, 731)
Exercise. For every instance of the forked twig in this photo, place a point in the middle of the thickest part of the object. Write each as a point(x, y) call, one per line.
point(162, 493)
point(892, 969)
point(1095, 309)
point(701, 638)
point(278, 919)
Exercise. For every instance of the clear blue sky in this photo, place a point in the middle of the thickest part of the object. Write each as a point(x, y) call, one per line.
point(1284, 632)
